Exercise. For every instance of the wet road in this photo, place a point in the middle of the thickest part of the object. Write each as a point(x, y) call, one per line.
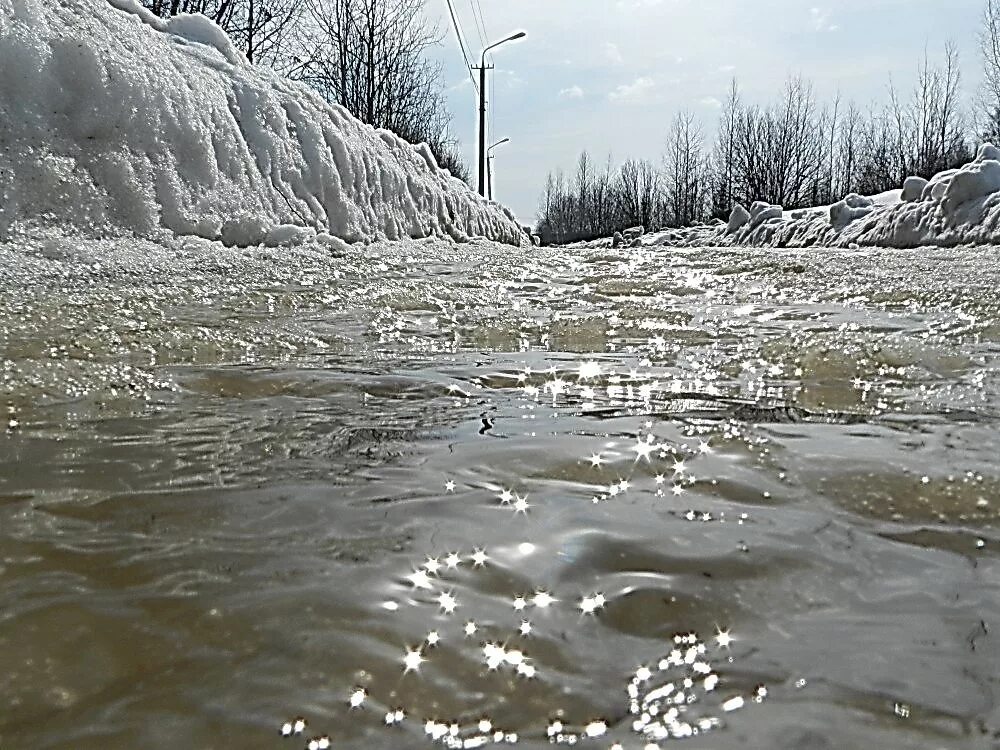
point(433, 494)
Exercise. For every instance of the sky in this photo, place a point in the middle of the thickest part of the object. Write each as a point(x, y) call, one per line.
point(608, 76)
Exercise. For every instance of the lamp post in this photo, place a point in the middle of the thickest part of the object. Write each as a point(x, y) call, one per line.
point(482, 107)
point(489, 167)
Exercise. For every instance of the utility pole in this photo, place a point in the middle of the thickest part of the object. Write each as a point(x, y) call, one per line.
point(483, 128)
point(482, 124)
point(489, 166)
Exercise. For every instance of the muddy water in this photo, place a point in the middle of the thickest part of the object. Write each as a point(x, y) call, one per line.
point(438, 495)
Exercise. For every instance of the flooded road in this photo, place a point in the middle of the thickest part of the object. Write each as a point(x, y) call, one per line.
point(464, 495)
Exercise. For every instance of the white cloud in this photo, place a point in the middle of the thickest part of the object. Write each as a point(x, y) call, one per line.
point(710, 101)
point(511, 79)
point(464, 83)
point(573, 92)
point(821, 20)
point(634, 91)
point(613, 54)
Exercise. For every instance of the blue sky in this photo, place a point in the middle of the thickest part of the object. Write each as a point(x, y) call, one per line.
point(609, 75)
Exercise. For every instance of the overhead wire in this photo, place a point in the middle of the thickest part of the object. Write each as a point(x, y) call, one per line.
point(482, 18)
point(478, 19)
point(462, 44)
point(492, 96)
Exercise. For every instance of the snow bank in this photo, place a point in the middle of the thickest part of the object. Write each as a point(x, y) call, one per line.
point(957, 207)
point(112, 120)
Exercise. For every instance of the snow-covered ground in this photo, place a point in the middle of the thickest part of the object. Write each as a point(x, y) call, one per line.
point(115, 122)
point(958, 207)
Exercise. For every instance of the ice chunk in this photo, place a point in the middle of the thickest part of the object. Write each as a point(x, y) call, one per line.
point(974, 181)
point(761, 212)
point(852, 207)
point(988, 152)
point(197, 28)
point(142, 13)
point(334, 243)
point(935, 189)
point(738, 218)
point(913, 189)
point(427, 155)
point(287, 234)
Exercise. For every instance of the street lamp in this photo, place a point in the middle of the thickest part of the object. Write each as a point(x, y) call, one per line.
point(482, 107)
point(489, 166)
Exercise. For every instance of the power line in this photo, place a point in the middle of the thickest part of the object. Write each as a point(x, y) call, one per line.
point(480, 25)
point(482, 20)
point(461, 45)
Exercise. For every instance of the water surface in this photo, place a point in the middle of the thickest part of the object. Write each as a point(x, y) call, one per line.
point(436, 494)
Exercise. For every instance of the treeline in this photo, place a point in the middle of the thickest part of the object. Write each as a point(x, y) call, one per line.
point(369, 56)
point(795, 152)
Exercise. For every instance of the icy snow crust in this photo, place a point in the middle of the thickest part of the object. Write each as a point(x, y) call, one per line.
point(114, 121)
point(958, 207)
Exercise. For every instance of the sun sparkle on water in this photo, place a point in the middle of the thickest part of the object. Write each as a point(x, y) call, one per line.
point(668, 699)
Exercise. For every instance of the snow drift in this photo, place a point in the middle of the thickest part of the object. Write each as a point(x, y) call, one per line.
point(114, 120)
point(957, 207)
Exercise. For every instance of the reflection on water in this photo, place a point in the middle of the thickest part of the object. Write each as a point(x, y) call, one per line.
point(432, 494)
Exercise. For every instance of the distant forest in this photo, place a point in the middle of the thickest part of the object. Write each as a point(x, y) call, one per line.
point(369, 56)
point(796, 152)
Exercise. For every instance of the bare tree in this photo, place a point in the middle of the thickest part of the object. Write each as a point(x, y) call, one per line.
point(638, 190)
point(988, 113)
point(597, 203)
point(684, 165)
point(936, 120)
point(372, 57)
point(602, 200)
point(833, 125)
point(847, 147)
point(584, 207)
point(723, 157)
point(778, 151)
point(794, 152)
point(928, 131)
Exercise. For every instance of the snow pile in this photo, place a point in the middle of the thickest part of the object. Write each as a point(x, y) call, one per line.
point(761, 212)
point(112, 120)
point(977, 180)
point(852, 208)
point(957, 207)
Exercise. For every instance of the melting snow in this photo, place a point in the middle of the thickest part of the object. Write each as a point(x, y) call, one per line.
point(114, 121)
